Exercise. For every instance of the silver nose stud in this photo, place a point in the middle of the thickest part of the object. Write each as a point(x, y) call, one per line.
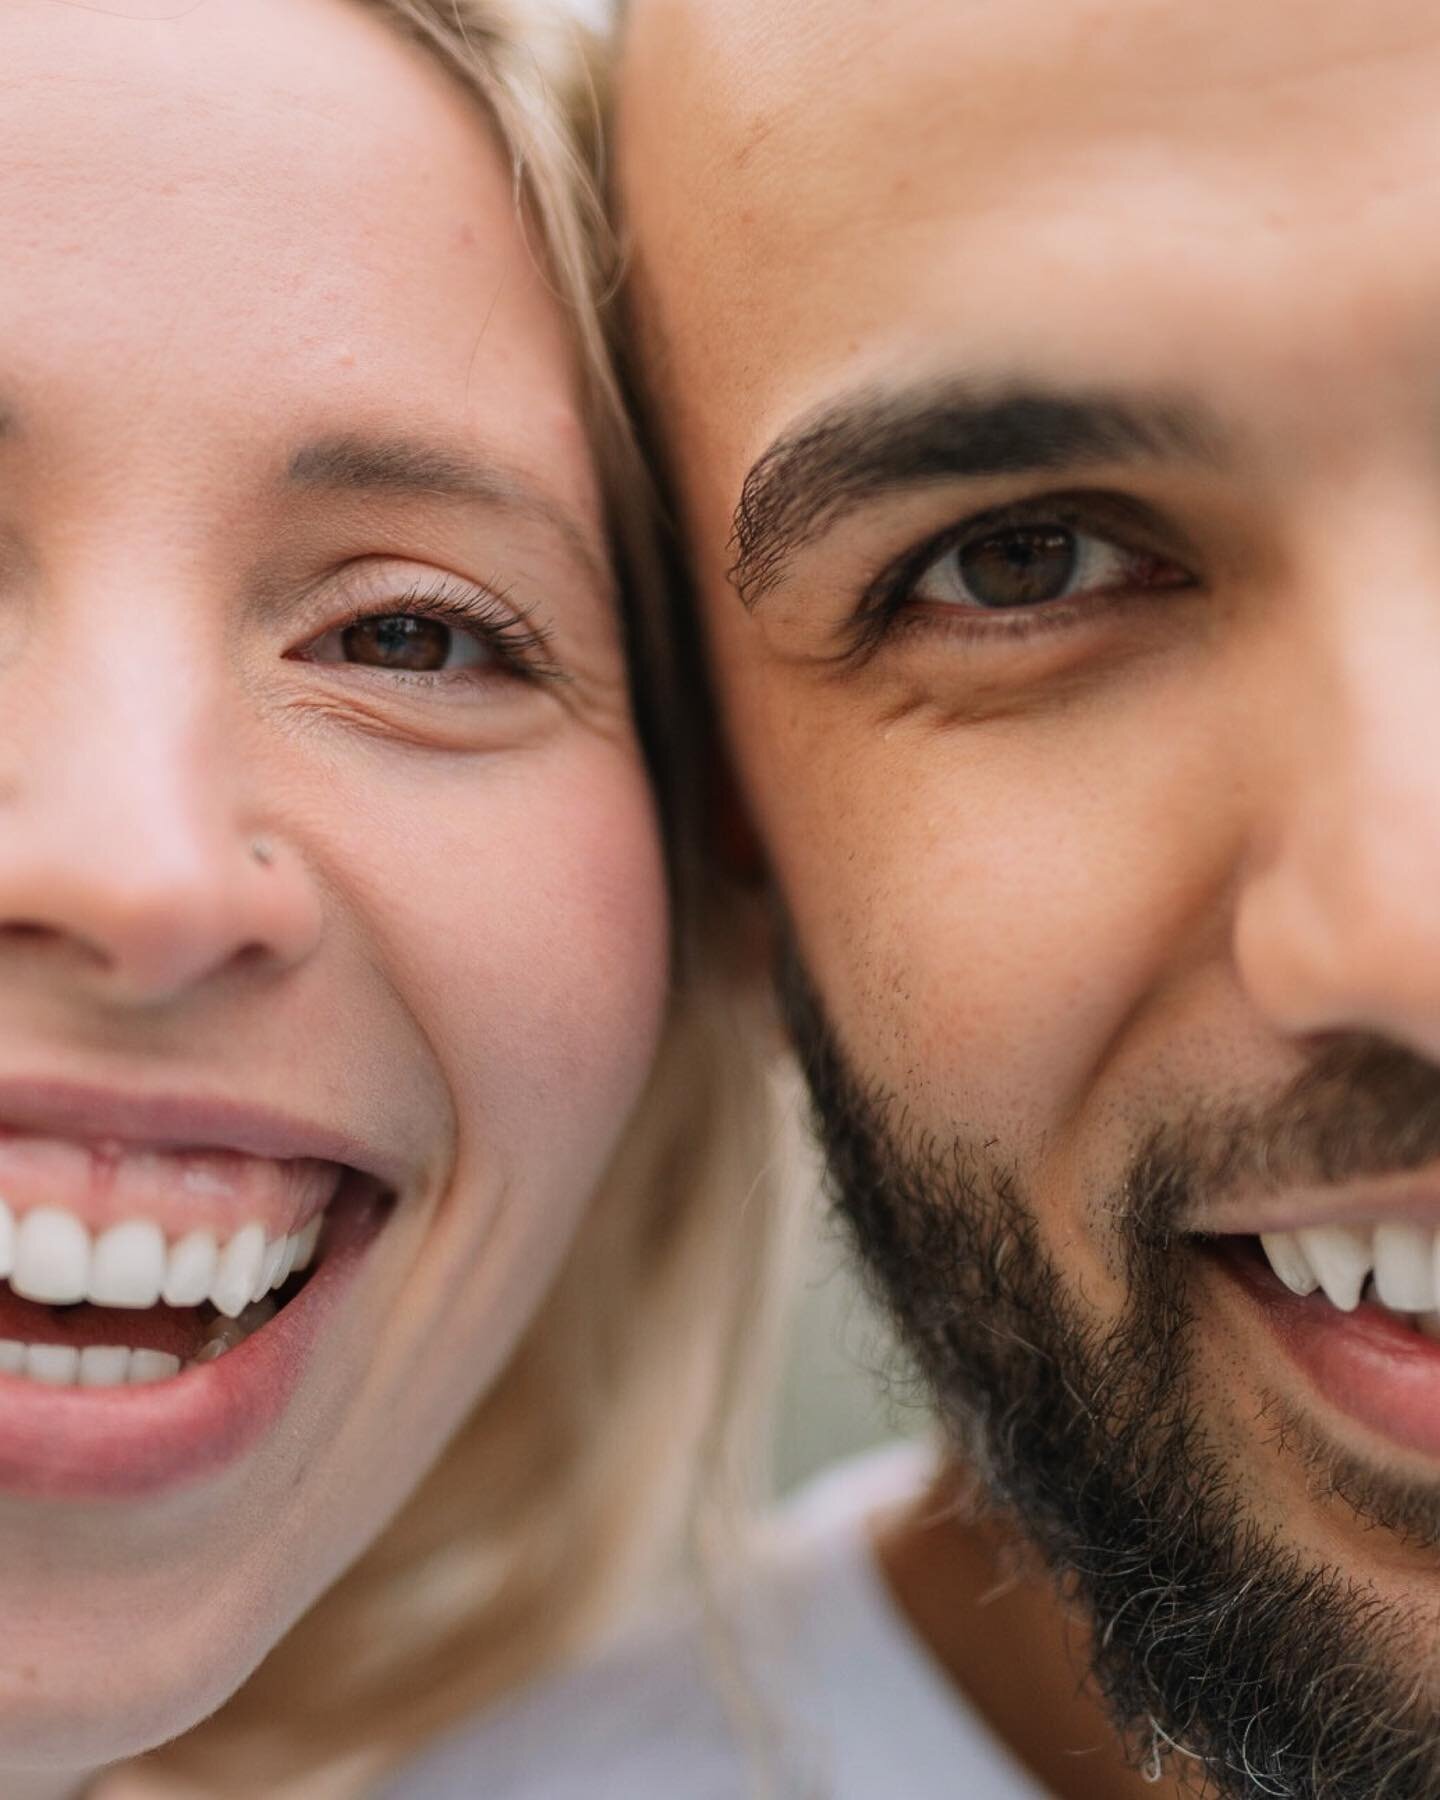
point(263, 851)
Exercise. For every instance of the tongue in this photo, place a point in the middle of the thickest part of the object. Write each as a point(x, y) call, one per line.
point(177, 1329)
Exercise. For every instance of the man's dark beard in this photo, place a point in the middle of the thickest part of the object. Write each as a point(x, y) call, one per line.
point(1215, 1645)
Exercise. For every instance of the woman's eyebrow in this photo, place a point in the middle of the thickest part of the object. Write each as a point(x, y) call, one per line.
point(880, 440)
point(400, 464)
point(418, 469)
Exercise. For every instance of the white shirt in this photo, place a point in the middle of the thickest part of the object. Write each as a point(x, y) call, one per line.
point(849, 1703)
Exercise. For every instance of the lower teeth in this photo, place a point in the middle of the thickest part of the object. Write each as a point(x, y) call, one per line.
point(118, 1365)
point(98, 1365)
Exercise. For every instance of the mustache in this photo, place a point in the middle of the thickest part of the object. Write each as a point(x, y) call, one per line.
point(1362, 1108)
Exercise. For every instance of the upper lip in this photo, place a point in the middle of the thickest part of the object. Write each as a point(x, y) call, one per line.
point(1411, 1197)
point(153, 1120)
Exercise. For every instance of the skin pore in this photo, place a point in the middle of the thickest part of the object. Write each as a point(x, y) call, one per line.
point(319, 792)
point(1051, 412)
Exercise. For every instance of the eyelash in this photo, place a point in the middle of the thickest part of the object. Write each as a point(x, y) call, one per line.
point(517, 639)
point(884, 607)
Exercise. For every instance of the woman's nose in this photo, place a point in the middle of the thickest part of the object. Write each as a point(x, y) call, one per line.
point(137, 860)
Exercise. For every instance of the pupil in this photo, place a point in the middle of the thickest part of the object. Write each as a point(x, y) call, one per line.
point(398, 641)
point(1020, 567)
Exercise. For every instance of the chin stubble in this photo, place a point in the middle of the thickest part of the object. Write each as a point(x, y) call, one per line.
point(1223, 1656)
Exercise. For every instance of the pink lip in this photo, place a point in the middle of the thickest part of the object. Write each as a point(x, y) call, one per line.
point(126, 1443)
point(176, 1122)
point(1367, 1364)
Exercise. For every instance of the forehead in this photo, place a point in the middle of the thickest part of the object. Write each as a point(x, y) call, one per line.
point(1057, 188)
point(264, 208)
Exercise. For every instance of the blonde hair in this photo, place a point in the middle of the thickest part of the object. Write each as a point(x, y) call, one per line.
point(580, 1464)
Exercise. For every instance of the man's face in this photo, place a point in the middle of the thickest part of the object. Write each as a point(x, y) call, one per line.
point(1053, 394)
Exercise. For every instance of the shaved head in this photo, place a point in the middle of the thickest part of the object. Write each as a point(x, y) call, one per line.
point(813, 177)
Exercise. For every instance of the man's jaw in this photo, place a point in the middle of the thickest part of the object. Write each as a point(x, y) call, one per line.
point(1213, 1634)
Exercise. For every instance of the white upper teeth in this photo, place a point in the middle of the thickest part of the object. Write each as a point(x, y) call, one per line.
point(238, 1273)
point(127, 1266)
point(50, 1256)
point(1405, 1267)
point(1403, 1258)
point(190, 1269)
point(1290, 1262)
point(1341, 1257)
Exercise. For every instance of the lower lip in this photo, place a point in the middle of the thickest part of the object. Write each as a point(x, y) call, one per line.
point(59, 1443)
point(1367, 1364)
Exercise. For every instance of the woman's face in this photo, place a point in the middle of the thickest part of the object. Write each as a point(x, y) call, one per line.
point(327, 858)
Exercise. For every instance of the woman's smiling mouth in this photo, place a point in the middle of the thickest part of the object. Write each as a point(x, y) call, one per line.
point(196, 1245)
point(156, 1297)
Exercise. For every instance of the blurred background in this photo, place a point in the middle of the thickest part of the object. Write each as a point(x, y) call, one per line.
point(845, 1384)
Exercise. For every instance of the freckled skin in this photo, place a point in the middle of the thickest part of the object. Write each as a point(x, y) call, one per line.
point(1048, 889)
point(232, 232)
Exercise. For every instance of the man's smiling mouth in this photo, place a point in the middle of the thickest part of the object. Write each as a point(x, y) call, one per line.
point(1393, 1265)
point(1354, 1306)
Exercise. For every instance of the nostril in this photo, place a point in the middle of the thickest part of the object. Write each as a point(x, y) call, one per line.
point(31, 935)
point(29, 932)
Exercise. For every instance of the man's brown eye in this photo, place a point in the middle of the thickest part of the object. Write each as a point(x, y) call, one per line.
point(398, 641)
point(1036, 563)
point(1023, 566)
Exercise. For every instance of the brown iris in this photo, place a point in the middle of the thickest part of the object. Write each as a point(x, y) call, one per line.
point(1022, 566)
point(398, 641)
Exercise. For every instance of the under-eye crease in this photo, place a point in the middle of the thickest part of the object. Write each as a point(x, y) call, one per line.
point(1128, 528)
point(516, 645)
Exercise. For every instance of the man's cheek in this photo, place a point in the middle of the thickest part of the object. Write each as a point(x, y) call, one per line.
point(948, 986)
point(1001, 952)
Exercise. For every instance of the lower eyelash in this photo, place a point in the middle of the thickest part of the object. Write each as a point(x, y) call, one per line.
point(897, 618)
point(884, 627)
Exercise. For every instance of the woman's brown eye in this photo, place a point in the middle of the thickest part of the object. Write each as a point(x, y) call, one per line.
point(1023, 566)
point(399, 641)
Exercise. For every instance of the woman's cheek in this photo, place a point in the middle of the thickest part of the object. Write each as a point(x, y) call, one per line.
point(546, 921)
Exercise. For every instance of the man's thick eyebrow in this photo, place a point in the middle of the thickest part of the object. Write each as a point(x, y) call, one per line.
point(881, 440)
point(405, 467)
